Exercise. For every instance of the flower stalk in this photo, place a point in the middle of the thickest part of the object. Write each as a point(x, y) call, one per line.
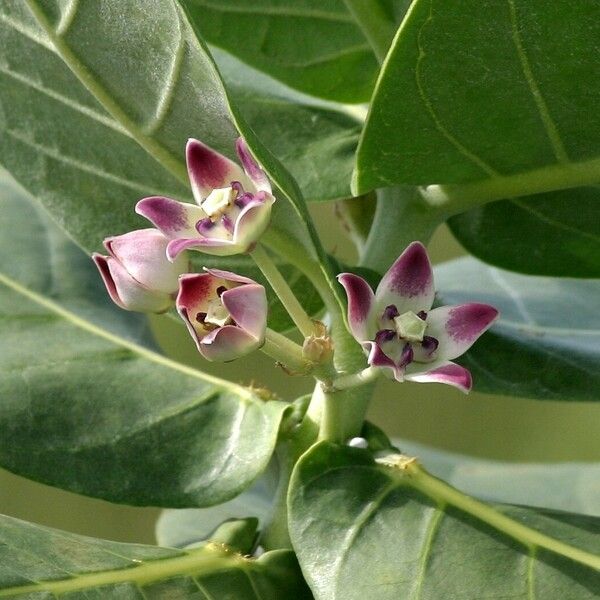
point(287, 297)
point(285, 352)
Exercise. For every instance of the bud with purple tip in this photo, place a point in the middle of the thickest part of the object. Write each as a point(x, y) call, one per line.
point(136, 272)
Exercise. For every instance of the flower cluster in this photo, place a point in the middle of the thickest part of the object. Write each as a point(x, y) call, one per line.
point(226, 313)
point(402, 334)
point(146, 270)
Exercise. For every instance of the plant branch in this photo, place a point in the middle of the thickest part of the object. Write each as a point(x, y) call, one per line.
point(376, 25)
point(345, 382)
point(282, 289)
point(284, 351)
point(401, 217)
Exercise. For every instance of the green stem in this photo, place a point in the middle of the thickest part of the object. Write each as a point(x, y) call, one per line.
point(288, 249)
point(282, 289)
point(284, 351)
point(332, 418)
point(402, 216)
point(445, 494)
point(374, 22)
point(363, 377)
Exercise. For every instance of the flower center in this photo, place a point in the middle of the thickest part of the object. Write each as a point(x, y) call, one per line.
point(216, 314)
point(219, 202)
point(410, 326)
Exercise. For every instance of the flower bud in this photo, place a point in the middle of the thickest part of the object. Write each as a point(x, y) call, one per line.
point(136, 272)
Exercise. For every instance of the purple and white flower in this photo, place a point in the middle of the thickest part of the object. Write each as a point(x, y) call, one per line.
point(402, 334)
point(225, 313)
point(232, 210)
point(136, 272)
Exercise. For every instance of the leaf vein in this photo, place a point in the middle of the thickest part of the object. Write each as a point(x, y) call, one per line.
point(80, 165)
point(278, 11)
point(487, 169)
point(166, 97)
point(67, 17)
point(549, 125)
point(433, 526)
point(88, 112)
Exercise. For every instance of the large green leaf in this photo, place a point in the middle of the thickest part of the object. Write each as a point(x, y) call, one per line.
point(38, 562)
point(86, 402)
point(493, 95)
point(312, 45)
point(89, 127)
point(387, 530)
point(555, 234)
point(545, 344)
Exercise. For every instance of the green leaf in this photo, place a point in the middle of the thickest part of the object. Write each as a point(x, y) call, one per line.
point(313, 46)
point(180, 527)
point(38, 562)
point(545, 344)
point(86, 402)
point(451, 108)
point(90, 125)
point(87, 166)
point(554, 234)
point(389, 530)
point(316, 141)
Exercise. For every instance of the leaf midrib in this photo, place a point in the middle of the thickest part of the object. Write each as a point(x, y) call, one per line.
point(243, 393)
point(173, 164)
point(209, 557)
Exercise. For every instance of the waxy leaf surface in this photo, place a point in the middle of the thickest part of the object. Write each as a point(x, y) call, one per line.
point(385, 540)
point(545, 344)
point(312, 45)
point(493, 94)
point(556, 234)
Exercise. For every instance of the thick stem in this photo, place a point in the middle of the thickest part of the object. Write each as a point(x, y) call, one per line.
point(345, 382)
point(374, 22)
point(401, 217)
point(284, 351)
point(282, 289)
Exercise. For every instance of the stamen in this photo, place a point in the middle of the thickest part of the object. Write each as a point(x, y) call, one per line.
point(407, 356)
point(243, 200)
point(384, 335)
point(429, 344)
point(390, 312)
point(204, 225)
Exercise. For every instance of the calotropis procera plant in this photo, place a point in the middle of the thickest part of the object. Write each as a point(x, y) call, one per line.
point(407, 115)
